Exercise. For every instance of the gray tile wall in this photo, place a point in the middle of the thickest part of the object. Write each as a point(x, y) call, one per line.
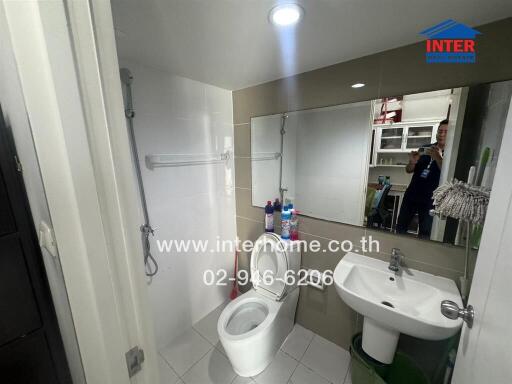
point(394, 72)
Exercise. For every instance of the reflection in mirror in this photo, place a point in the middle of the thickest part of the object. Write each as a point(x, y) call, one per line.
point(324, 160)
point(411, 147)
point(377, 163)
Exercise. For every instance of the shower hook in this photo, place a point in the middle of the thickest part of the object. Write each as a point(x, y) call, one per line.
point(146, 230)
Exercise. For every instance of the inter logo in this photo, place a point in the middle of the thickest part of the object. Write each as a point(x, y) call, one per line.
point(450, 42)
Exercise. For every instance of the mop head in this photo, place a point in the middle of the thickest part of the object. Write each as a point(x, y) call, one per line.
point(462, 201)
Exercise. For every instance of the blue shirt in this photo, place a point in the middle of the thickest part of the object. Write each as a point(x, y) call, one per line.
point(420, 188)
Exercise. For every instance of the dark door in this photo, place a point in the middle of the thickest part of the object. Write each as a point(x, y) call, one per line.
point(31, 349)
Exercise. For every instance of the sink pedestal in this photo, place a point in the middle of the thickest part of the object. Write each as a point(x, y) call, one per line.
point(392, 304)
point(379, 341)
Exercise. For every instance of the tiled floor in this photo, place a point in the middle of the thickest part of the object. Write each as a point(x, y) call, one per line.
point(197, 357)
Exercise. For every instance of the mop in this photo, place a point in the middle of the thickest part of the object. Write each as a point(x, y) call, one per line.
point(478, 175)
point(462, 201)
point(465, 202)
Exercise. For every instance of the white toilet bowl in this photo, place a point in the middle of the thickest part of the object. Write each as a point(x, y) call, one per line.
point(253, 326)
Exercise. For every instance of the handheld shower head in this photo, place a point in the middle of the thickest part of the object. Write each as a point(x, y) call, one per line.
point(126, 76)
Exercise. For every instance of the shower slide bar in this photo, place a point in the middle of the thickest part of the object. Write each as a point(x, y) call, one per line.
point(175, 160)
point(262, 156)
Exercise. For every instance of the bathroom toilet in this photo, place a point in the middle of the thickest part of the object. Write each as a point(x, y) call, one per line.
point(253, 326)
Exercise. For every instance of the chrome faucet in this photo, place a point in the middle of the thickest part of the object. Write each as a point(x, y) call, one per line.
point(396, 260)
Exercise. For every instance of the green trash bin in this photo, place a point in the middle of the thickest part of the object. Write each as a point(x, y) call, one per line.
point(366, 370)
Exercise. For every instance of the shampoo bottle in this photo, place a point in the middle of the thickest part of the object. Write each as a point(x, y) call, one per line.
point(285, 223)
point(269, 217)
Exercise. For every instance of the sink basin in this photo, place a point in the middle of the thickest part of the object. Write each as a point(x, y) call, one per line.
point(408, 302)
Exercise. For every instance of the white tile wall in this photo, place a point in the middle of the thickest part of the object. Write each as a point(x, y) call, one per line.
point(265, 139)
point(176, 115)
point(321, 148)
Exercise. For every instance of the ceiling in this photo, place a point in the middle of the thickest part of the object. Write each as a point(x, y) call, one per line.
point(231, 44)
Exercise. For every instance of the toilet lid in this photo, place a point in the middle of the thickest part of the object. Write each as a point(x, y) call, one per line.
point(269, 264)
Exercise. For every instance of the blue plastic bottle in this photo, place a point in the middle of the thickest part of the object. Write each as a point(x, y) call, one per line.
point(285, 222)
point(269, 217)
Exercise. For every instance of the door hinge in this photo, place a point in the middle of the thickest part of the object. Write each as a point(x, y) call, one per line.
point(19, 167)
point(134, 360)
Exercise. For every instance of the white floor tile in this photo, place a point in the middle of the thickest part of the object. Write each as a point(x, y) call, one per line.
point(207, 326)
point(186, 350)
point(348, 378)
point(304, 375)
point(327, 359)
point(220, 348)
point(279, 371)
point(167, 374)
point(242, 380)
point(214, 368)
point(297, 341)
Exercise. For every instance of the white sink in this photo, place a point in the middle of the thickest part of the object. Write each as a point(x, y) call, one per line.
point(409, 302)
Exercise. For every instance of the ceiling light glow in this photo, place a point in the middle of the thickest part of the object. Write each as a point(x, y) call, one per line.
point(286, 15)
point(358, 85)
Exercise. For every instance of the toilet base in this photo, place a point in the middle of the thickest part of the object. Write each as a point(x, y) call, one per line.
point(250, 355)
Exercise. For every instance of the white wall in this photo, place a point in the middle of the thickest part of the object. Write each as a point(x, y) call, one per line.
point(426, 105)
point(325, 157)
point(265, 140)
point(332, 157)
point(421, 106)
point(175, 115)
point(13, 105)
point(290, 157)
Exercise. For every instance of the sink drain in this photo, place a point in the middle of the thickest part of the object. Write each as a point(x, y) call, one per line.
point(387, 304)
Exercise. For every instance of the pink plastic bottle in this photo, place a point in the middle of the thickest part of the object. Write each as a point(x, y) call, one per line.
point(294, 224)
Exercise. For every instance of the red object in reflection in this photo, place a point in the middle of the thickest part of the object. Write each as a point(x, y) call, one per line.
point(389, 114)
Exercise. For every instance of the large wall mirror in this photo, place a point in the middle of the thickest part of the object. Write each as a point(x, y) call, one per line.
point(376, 163)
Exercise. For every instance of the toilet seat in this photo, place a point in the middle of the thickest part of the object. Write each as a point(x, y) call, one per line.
point(269, 259)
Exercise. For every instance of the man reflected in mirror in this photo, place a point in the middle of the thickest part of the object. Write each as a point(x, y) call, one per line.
point(425, 165)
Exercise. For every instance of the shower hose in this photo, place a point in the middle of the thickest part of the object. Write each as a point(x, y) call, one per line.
point(150, 264)
point(149, 261)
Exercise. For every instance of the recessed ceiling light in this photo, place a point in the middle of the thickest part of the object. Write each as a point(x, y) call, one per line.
point(286, 15)
point(358, 85)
